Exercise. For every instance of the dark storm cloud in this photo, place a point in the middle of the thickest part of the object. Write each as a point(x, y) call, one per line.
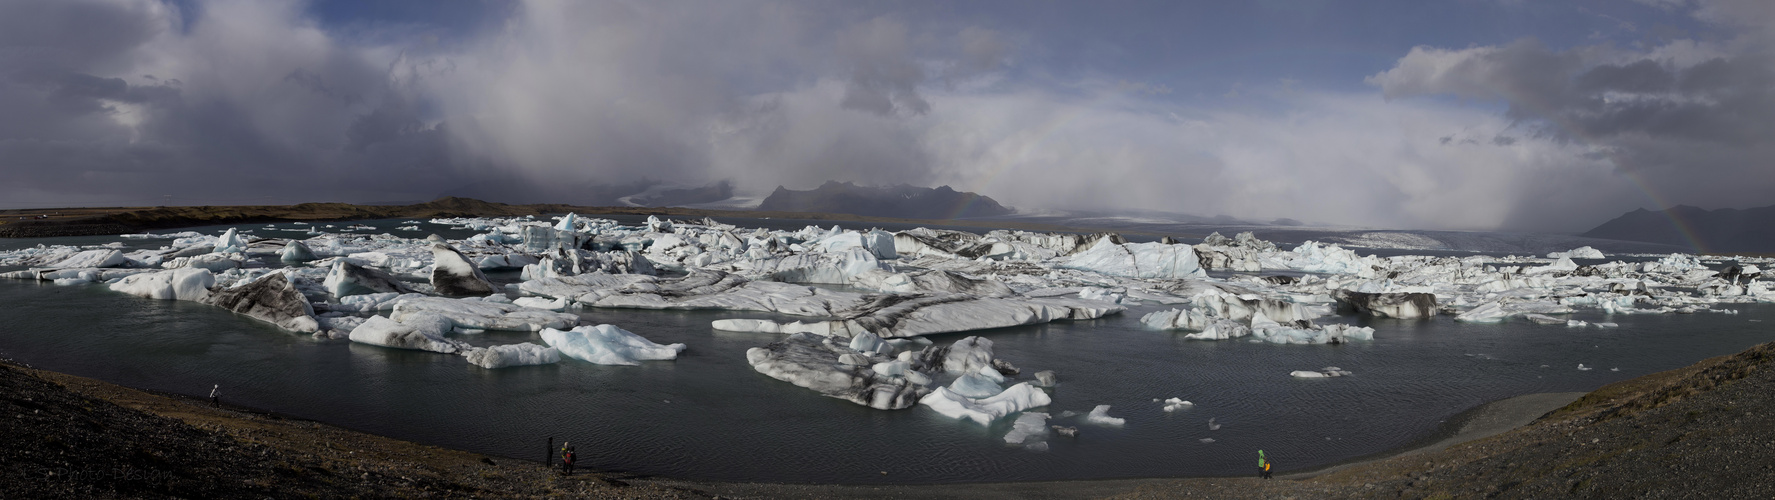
point(884, 77)
point(1694, 127)
point(258, 112)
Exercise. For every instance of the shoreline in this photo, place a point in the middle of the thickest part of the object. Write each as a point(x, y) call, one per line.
point(1472, 424)
point(1479, 422)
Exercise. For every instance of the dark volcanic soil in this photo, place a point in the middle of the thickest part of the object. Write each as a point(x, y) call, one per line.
point(70, 437)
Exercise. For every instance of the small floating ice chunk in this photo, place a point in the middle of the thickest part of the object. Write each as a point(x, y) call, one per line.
point(566, 223)
point(1207, 440)
point(296, 251)
point(1583, 368)
point(1030, 429)
point(1213, 426)
point(1175, 404)
point(230, 242)
point(556, 305)
point(608, 345)
point(1100, 416)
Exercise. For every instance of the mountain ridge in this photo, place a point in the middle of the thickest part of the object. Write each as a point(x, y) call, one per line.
point(904, 200)
point(1719, 230)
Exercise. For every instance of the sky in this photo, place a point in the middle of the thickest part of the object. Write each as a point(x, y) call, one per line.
point(1517, 115)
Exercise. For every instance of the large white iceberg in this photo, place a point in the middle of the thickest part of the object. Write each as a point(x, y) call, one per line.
point(608, 345)
point(984, 411)
point(177, 284)
point(1137, 260)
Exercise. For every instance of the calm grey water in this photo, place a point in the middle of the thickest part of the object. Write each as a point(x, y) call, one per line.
point(708, 416)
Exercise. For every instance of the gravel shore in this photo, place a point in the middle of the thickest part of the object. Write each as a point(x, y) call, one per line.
point(1696, 432)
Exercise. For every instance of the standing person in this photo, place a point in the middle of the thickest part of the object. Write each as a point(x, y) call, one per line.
point(216, 396)
point(567, 458)
point(1263, 465)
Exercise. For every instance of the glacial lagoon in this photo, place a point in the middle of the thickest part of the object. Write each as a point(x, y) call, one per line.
point(708, 415)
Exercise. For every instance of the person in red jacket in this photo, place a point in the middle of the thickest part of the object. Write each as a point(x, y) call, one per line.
point(567, 458)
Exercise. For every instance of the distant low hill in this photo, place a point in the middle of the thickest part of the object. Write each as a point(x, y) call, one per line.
point(1723, 230)
point(906, 201)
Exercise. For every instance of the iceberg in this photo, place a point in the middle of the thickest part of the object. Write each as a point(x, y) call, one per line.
point(1137, 260)
point(567, 223)
point(1583, 252)
point(608, 345)
point(1030, 431)
point(452, 275)
point(812, 361)
point(541, 303)
point(103, 257)
point(230, 242)
point(501, 356)
point(272, 299)
point(178, 284)
point(1100, 416)
point(899, 316)
point(295, 251)
point(699, 290)
point(1327, 372)
point(473, 313)
point(347, 278)
point(424, 332)
point(984, 411)
point(1388, 305)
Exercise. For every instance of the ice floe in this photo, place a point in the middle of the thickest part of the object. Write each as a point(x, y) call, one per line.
point(608, 345)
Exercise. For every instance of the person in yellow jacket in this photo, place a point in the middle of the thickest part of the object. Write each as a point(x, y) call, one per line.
point(567, 458)
point(1263, 465)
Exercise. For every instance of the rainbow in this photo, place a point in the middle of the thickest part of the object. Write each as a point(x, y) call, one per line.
point(1045, 130)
